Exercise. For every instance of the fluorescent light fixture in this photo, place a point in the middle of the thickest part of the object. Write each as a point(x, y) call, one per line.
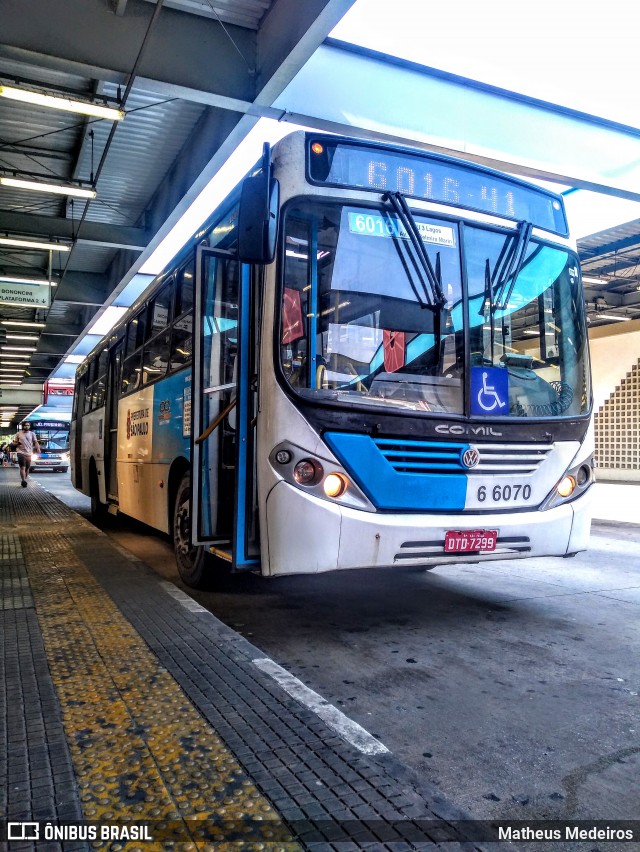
point(10, 241)
point(74, 359)
point(230, 173)
point(107, 320)
point(14, 363)
point(613, 317)
point(23, 323)
point(526, 331)
point(26, 96)
point(20, 348)
point(29, 337)
point(589, 279)
point(42, 281)
point(55, 188)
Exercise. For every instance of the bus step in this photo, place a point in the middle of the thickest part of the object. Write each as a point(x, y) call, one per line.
point(220, 553)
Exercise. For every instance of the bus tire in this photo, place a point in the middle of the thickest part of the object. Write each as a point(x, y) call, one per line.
point(191, 559)
point(99, 511)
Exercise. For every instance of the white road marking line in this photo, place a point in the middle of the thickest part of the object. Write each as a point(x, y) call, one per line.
point(349, 730)
point(183, 598)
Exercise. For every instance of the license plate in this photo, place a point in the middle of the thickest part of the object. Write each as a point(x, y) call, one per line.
point(470, 541)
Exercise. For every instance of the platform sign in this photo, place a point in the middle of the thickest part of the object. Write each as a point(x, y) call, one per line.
point(25, 295)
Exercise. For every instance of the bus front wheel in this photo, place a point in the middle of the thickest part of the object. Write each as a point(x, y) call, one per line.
point(190, 559)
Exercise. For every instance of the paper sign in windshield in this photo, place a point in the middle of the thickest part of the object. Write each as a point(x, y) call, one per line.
point(372, 225)
point(394, 348)
point(292, 326)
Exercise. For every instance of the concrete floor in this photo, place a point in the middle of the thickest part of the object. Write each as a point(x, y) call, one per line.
point(513, 685)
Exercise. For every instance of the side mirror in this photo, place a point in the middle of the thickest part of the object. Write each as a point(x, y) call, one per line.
point(258, 215)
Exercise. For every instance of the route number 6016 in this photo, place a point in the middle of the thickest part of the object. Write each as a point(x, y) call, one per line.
point(503, 493)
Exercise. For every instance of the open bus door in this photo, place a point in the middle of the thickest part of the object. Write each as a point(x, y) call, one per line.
point(223, 493)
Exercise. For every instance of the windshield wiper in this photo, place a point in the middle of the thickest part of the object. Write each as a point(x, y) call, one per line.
point(508, 266)
point(433, 292)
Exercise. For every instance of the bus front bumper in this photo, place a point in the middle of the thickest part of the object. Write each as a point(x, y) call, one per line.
point(307, 535)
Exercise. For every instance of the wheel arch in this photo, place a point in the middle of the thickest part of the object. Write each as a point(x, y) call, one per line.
point(178, 468)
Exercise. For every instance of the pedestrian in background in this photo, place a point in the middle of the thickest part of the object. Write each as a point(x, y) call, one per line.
point(26, 442)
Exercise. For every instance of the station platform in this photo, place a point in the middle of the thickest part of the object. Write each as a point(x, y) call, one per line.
point(129, 708)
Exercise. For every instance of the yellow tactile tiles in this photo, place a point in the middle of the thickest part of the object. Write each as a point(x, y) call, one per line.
point(140, 749)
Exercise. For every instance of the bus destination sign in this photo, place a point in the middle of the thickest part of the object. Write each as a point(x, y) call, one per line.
point(433, 178)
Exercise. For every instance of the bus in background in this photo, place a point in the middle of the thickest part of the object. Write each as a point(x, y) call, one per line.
point(367, 356)
point(51, 427)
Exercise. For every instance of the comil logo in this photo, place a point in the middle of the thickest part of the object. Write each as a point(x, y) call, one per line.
point(471, 458)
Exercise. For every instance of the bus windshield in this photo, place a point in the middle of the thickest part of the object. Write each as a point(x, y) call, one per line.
point(367, 320)
point(52, 438)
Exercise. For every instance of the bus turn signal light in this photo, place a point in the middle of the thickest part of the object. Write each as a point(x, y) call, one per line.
point(566, 486)
point(335, 485)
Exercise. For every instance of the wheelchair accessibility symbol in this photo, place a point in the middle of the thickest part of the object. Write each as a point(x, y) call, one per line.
point(489, 390)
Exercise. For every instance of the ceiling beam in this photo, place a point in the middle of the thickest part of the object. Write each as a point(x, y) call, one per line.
point(82, 288)
point(97, 233)
point(86, 38)
point(613, 300)
point(590, 253)
point(289, 35)
point(18, 396)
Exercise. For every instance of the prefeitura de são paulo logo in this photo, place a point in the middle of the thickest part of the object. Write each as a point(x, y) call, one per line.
point(128, 424)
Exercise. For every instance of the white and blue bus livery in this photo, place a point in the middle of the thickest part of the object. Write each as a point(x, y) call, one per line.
point(368, 356)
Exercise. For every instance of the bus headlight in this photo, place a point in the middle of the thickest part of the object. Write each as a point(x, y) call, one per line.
point(335, 485)
point(319, 478)
point(575, 482)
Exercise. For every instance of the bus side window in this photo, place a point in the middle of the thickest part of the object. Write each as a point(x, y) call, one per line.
point(156, 357)
point(78, 397)
point(90, 376)
point(156, 350)
point(133, 356)
point(182, 330)
point(99, 386)
point(184, 289)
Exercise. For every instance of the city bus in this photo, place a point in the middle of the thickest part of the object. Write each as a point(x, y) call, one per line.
point(51, 427)
point(367, 356)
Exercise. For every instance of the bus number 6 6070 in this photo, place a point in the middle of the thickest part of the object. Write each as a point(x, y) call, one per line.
point(504, 493)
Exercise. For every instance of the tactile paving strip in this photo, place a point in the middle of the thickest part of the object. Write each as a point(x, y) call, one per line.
point(159, 702)
point(140, 749)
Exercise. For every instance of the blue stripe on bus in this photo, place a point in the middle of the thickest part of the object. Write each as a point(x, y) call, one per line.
point(391, 489)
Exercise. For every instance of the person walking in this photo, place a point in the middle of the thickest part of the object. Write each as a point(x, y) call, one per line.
point(26, 442)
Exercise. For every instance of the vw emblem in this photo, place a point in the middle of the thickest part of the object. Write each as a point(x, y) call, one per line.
point(471, 458)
